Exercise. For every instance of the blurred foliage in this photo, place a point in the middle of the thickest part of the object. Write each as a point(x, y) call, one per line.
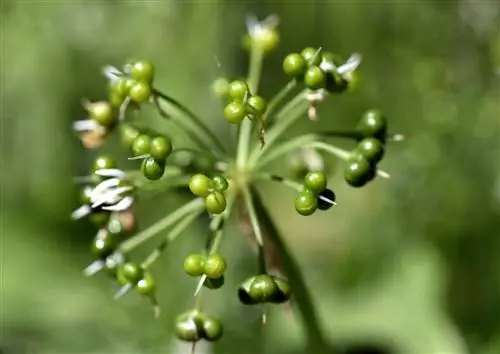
point(409, 265)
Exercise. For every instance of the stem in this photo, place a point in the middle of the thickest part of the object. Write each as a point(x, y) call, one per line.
point(286, 117)
point(275, 101)
point(190, 123)
point(291, 184)
point(275, 178)
point(254, 73)
point(342, 154)
point(316, 342)
point(291, 145)
point(192, 207)
point(171, 236)
point(331, 149)
point(252, 214)
point(217, 226)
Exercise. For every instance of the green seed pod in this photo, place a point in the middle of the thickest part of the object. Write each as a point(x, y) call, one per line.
point(264, 288)
point(103, 162)
point(160, 148)
point(358, 171)
point(147, 285)
point(212, 329)
point(104, 244)
point(257, 105)
point(99, 218)
point(140, 92)
point(315, 181)
point(257, 289)
point(238, 90)
point(220, 88)
point(189, 326)
point(235, 112)
point(306, 203)
point(103, 113)
point(143, 71)
point(215, 202)
point(132, 272)
point(128, 134)
point(220, 184)
point(294, 65)
point(214, 284)
point(141, 145)
point(312, 56)
point(200, 185)
point(284, 290)
point(193, 264)
point(214, 266)
point(371, 149)
point(265, 40)
point(373, 124)
point(152, 169)
point(315, 78)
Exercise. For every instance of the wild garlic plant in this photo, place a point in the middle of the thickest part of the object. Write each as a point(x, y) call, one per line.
point(226, 185)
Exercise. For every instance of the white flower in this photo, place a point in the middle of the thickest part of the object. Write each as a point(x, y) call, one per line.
point(110, 195)
point(346, 69)
point(111, 73)
point(256, 29)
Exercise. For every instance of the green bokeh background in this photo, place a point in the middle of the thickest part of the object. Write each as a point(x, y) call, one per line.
point(410, 264)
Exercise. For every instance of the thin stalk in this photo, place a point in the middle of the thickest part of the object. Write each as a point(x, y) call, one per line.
point(273, 103)
point(299, 187)
point(193, 206)
point(286, 117)
point(171, 236)
point(245, 134)
point(217, 225)
point(191, 123)
point(286, 147)
point(252, 214)
point(316, 342)
point(342, 154)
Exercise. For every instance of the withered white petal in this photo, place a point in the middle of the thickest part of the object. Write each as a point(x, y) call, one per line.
point(111, 73)
point(350, 65)
point(86, 125)
point(122, 205)
point(110, 172)
point(81, 212)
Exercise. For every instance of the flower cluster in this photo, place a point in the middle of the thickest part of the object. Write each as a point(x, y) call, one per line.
point(219, 179)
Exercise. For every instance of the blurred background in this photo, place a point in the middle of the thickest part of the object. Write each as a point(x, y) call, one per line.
point(406, 265)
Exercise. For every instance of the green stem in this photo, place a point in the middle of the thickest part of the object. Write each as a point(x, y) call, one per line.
point(217, 225)
point(286, 182)
point(286, 117)
point(190, 123)
point(171, 236)
point(245, 134)
point(342, 154)
point(284, 148)
point(316, 342)
point(193, 206)
point(331, 149)
point(252, 214)
point(274, 102)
